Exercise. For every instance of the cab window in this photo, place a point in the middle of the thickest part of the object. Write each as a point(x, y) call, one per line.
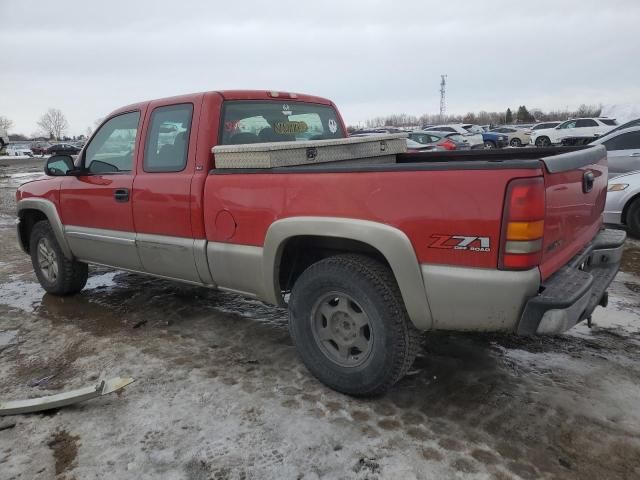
point(168, 139)
point(277, 121)
point(111, 149)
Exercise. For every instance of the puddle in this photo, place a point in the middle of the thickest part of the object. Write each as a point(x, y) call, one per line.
point(631, 261)
point(7, 337)
point(21, 295)
point(14, 180)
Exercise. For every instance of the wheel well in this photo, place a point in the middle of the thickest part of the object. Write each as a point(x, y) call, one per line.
point(301, 252)
point(28, 218)
point(623, 217)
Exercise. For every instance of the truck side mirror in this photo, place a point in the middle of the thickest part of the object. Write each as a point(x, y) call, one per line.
point(59, 166)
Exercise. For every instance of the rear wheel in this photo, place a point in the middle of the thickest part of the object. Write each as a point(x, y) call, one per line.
point(55, 272)
point(633, 218)
point(489, 144)
point(348, 322)
point(515, 142)
point(543, 142)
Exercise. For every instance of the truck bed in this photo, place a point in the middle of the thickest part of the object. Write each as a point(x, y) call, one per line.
point(424, 195)
point(526, 158)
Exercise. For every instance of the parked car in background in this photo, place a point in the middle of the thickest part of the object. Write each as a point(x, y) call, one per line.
point(577, 127)
point(494, 140)
point(623, 150)
point(62, 149)
point(624, 126)
point(39, 148)
point(18, 151)
point(516, 137)
point(471, 133)
point(441, 140)
point(541, 126)
point(415, 147)
point(623, 202)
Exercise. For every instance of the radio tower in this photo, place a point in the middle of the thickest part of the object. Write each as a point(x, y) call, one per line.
point(443, 105)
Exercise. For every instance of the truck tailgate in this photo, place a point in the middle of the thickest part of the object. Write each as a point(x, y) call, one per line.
point(575, 190)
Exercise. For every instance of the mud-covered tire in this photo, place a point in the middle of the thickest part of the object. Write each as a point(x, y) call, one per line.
point(394, 340)
point(633, 218)
point(70, 276)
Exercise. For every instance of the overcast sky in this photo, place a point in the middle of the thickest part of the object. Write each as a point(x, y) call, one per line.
point(373, 58)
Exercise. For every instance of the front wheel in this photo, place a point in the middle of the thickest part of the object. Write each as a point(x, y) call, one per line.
point(489, 144)
point(515, 142)
point(633, 218)
point(350, 327)
point(543, 142)
point(55, 272)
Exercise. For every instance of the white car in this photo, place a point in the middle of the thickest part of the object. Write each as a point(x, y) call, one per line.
point(623, 202)
point(623, 150)
point(471, 133)
point(576, 127)
point(19, 151)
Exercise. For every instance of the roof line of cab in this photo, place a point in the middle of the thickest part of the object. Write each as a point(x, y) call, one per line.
point(230, 95)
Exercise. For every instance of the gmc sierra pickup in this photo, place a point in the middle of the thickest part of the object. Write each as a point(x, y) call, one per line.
point(365, 256)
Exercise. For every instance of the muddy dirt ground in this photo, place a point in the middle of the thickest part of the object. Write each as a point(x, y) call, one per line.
point(220, 393)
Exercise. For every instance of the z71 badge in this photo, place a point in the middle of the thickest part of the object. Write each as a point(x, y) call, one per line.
point(460, 242)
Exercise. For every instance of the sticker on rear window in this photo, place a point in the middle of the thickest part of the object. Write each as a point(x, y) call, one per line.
point(333, 126)
point(287, 128)
point(286, 110)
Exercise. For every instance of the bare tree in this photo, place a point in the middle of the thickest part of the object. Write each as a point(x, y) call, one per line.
point(5, 123)
point(54, 123)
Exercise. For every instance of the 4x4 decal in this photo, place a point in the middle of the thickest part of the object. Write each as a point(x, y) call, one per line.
point(460, 242)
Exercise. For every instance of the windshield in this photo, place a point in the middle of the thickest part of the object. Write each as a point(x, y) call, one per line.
point(277, 121)
point(473, 128)
point(542, 126)
point(632, 123)
point(568, 124)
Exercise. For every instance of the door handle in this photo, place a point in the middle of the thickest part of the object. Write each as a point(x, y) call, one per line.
point(635, 154)
point(121, 195)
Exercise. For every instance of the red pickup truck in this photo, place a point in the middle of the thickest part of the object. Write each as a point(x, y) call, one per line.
point(364, 255)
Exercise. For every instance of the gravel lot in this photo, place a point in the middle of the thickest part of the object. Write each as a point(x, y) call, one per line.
point(220, 393)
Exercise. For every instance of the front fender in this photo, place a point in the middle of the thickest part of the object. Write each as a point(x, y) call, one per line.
point(48, 208)
point(391, 242)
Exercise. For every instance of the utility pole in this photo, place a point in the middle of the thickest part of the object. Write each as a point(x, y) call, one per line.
point(443, 105)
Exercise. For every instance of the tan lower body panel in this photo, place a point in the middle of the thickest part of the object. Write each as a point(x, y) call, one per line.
point(477, 299)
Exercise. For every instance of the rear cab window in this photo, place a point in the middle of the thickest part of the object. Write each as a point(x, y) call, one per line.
point(257, 121)
point(609, 121)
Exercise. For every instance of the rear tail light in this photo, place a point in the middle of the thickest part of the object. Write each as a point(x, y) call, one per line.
point(523, 224)
point(448, 145)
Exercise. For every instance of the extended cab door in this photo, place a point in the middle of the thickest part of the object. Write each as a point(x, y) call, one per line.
point(623, 152)
point(96, 206)
point(163, 193)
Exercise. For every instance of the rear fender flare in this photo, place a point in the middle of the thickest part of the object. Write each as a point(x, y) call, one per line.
point(49, 209)
point(391, 242)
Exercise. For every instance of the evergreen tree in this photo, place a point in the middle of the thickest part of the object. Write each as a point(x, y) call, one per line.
point(509, 117)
